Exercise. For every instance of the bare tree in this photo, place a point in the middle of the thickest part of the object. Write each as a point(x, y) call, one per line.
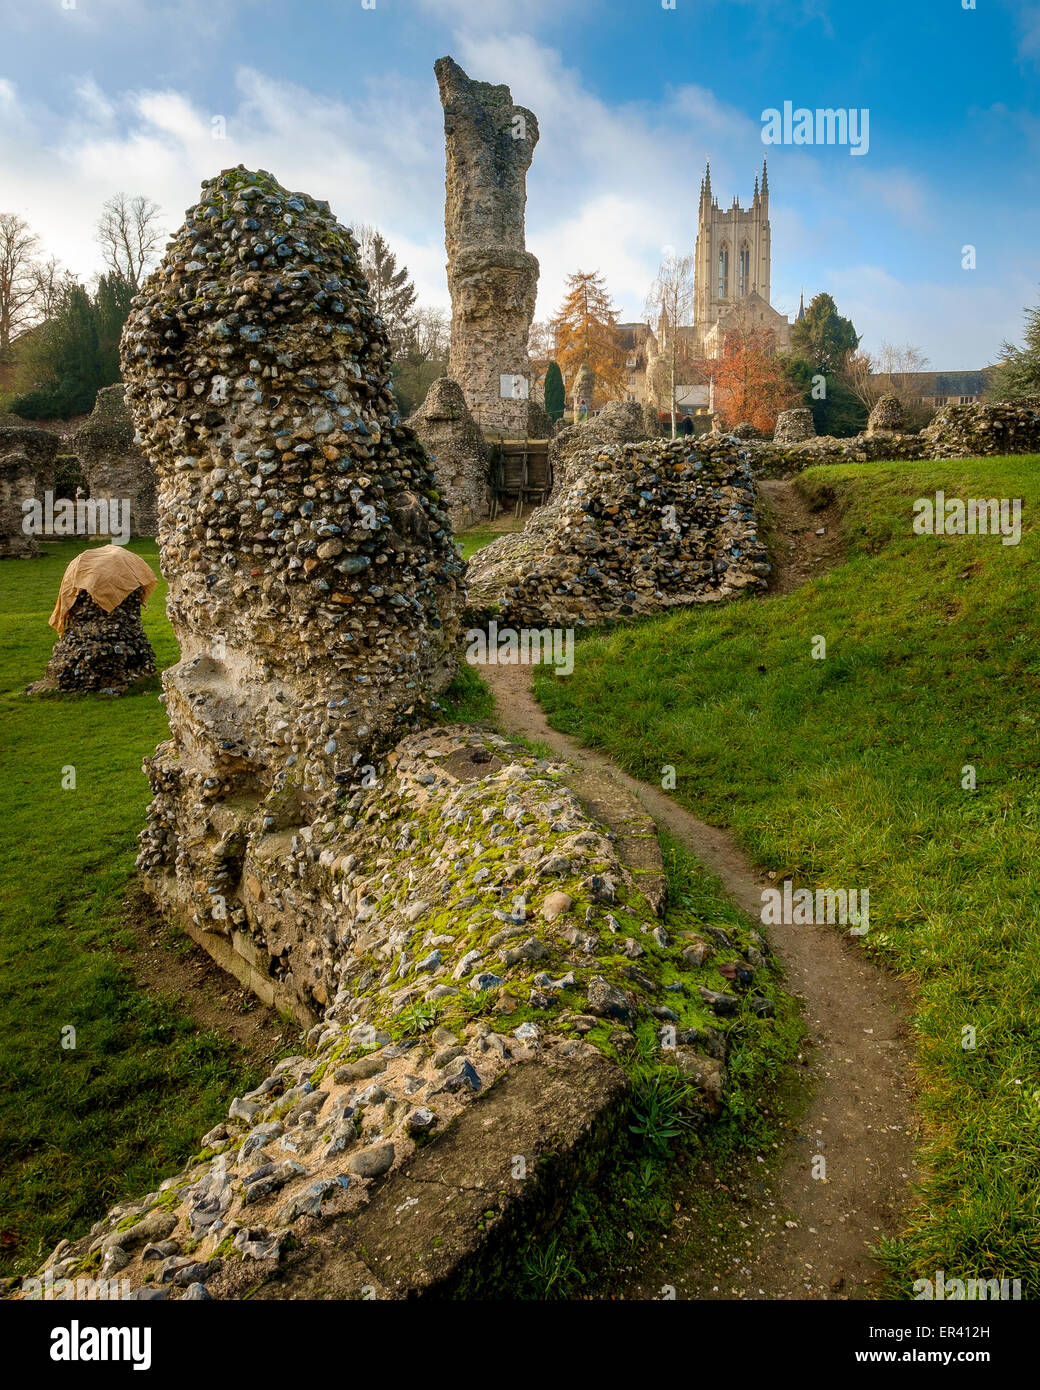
point(52, 284)
point(424, 353)
point(364, 234)
point(891, 372)
point(671, 298)
point(18, 277)
point(859, 376)
point(130, 236)
point(897, 366)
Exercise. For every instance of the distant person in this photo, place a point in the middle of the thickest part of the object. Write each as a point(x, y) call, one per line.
point(686, 426)
point(583, 410)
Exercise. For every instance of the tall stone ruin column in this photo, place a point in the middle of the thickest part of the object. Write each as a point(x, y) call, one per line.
point(493, 279)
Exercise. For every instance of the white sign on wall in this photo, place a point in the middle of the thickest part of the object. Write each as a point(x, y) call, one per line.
point(514, 388)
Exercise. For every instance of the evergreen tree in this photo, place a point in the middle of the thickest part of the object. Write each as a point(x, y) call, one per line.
point(821, 345)
point(111, 308)
point(823, 338)
point(75, 352)
point(393, 293)
point(585, 329)
point(1018, 372)
point(555, 396)
point(839, 411)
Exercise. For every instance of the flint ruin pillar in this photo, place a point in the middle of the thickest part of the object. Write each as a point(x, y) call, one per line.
point(492, 278)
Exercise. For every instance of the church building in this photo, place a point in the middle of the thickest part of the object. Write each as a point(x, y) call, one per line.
point(731, 271)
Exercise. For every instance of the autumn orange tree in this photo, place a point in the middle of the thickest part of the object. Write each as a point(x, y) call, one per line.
point(585, 330)
point(749, 379)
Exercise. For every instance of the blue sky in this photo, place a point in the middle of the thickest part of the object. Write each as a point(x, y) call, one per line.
point(98, 96)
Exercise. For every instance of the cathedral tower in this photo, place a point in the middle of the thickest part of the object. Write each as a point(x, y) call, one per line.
point(731, 263)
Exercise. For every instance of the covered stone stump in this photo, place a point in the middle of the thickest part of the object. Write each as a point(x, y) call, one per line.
point(102, 644)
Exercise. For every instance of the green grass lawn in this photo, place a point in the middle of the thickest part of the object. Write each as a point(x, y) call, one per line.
point(847, 772)
point(81, 1128)
point(469, 542)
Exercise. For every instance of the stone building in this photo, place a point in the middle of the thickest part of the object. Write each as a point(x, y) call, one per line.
point(638, 344)
point(731, 289)
point(492, 277)
point(932, 390)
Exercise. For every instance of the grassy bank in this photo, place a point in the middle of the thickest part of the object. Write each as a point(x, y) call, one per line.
point(82, 1126)
point(851, 771)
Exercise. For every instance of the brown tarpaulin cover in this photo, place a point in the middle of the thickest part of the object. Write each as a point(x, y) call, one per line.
point(108, 573)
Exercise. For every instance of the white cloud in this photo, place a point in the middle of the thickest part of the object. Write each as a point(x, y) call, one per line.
point(378, 160)
point(902, 193)
point(959, 325)
point(1029, 25)
point(611, 184)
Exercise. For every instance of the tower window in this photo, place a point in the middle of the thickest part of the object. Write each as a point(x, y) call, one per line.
point(724, 271)
point(745, 269)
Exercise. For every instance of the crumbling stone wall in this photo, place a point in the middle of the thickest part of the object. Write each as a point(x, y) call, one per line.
point(26, 471)
point(963, 431)
point(467, 891)
point(112, 464)
point(619, 422)
point(583, 389)
point(957, 431)
point(460, 457)
point(492, 278)
point(638, 528)
point(313, 580)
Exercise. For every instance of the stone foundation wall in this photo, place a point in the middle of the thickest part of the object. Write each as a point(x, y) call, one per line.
point(27, 464)
point(957, 431)
point(481, 945)
point(966, 431)
point(636, 528)
point(619, 422)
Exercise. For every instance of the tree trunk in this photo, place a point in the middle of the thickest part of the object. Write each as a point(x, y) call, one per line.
point(672, 402)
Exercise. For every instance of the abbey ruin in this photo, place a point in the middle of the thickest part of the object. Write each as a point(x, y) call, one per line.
point(479, 953)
